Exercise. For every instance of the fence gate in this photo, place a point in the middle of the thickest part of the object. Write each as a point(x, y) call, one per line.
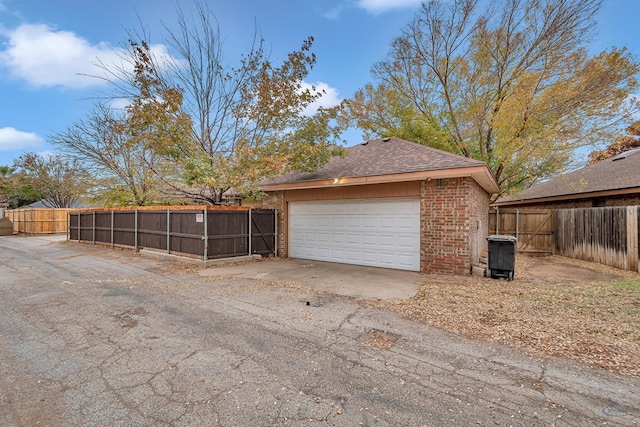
point(533, 229)
point(263, 231)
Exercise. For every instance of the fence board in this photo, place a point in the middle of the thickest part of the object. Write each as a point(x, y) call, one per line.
point(606, 235)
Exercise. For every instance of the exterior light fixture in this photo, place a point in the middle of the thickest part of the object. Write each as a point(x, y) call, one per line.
point(335, 180)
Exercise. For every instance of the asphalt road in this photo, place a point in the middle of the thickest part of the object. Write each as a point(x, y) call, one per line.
point(91, 336)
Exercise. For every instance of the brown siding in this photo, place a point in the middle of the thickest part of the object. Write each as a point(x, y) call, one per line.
point(373, 191)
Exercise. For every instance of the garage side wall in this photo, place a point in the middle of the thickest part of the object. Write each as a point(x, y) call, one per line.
point(450, 238)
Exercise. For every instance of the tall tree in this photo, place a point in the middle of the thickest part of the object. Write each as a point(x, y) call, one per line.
point(17, 188)
point(619, 145)
point(122, 166)
point(248, 118)
point(511, 84)
point(60, 182)
point(5, 181)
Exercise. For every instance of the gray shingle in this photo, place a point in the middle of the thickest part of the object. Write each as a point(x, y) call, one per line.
point(620, 172)
point(377, 157)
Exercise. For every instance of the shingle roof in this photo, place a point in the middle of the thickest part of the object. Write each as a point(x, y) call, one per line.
point(377, 157)
point(617, 173)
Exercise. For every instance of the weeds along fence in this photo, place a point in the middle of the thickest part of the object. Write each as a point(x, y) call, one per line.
point(38, 220)
point(607, 235)
point(207, 232)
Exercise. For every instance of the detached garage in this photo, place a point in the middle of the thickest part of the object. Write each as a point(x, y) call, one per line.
point(387, 203)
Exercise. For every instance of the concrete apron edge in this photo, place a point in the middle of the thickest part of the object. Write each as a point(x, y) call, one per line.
point(157, 255)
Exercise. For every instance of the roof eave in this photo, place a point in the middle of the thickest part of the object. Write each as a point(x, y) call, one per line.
point(568, 197)
point(479, 173)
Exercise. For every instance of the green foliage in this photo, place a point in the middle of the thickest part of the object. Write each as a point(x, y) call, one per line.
point(248, 120)
point(57, 181)
point(198, 124)
point(17, 188)
point(512, 85)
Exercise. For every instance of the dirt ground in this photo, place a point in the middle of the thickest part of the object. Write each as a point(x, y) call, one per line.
point(555, 308)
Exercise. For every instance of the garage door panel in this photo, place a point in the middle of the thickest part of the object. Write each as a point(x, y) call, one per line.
point(376, 232)
point(370, 240)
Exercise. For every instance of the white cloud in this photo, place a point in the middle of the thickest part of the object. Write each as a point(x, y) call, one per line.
point(44, 57)
point(328, 99)
point(380, 6)
point(12, 139)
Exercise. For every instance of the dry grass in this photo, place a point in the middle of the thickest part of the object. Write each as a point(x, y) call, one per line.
point(595, 321)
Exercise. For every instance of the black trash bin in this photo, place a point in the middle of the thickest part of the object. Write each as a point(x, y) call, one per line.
point(502, 256)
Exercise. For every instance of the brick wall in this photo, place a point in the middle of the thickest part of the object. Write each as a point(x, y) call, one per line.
point(450, 238)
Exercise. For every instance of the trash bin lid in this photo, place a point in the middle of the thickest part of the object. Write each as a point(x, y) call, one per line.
point(501, 238)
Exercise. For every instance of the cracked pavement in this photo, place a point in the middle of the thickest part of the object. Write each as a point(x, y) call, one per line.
point(91, 336)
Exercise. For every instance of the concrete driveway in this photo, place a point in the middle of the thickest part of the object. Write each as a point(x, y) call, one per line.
point(93, 337)
point(341, 279)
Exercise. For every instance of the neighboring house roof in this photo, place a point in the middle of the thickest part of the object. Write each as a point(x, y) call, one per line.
point(618, 175)
point(41, 204)
point(387, 160)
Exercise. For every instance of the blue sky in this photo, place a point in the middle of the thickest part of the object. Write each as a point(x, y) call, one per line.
point(45, 44)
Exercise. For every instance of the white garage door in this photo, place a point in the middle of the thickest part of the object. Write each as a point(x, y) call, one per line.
point(375, 232)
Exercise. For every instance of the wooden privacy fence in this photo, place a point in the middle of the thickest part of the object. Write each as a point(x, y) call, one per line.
point(533, 229)
point(607, 235)
point(207, 232)
point(38, 220)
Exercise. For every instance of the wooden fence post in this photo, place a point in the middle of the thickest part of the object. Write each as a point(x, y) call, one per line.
point(93, 229)
point(632, 238)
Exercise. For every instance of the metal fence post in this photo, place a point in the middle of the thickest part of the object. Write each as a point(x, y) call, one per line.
point(275, 237)
point(250, 231)
point(168, 230)
point(112, 227)
point(206, 235)
point(135, 230)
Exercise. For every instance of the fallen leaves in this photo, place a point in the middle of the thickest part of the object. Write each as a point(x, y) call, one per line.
point(596, 322)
